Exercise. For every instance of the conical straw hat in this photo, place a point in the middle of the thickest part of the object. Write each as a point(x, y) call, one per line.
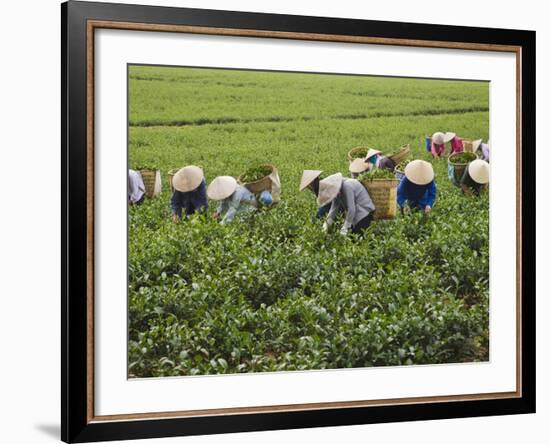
point(476, 144)
point(221, 187)
point(449, 136)
point(358, 165)
point(188, 178)
point(419, 172)
point(308, 176)
point(371, 153)
point(479, 171)
point(329, 188)
point(438, 138)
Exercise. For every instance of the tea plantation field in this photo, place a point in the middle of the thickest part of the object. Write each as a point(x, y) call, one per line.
point(272, 292)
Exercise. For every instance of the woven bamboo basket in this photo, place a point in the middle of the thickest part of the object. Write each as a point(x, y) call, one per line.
point(402, 154)
point(352, 154)
point(468, 145)
point(383, 193)
point(260, 185)
point(171, 175)
point(151, 180)
point(460, 167)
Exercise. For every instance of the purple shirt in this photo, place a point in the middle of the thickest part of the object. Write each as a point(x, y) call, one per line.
point(385, 163)
point(485, 151)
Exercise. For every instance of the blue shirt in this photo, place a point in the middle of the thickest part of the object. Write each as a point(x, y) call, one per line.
point(190, 201)
point(416, 195)
point(241, 201)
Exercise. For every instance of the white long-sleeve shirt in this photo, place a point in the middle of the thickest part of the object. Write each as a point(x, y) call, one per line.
point(136, 187)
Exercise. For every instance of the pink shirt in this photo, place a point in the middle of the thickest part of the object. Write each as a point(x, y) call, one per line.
point(437, 150)
point(456, 145)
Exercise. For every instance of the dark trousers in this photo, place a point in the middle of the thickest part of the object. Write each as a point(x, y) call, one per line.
point(363, 224)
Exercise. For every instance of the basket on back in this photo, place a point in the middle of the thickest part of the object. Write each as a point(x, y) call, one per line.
point(257, 186)
point(171, 175)
point(468, 145)
point(460, 161)
point(383, 193)
point(401, 154)
point(151, 180)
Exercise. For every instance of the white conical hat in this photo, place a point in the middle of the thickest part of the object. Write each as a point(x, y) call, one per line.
point(329, 188)
point(309, 176)
point(419, 172)
point(449, 136)
point(221, 187)
point(479, 171)
point(358, 165)
point(476, 144)
point(438, 138)
point(371, 153)
point(188, 178)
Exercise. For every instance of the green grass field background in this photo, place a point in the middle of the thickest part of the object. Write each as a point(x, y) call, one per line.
point(272, 293)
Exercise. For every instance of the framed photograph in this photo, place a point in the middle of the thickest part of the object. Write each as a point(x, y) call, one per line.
point(275, 221)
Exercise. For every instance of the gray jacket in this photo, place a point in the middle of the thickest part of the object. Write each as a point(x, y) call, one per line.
point(354, 199)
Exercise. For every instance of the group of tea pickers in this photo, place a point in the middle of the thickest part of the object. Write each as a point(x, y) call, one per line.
point(372, 185)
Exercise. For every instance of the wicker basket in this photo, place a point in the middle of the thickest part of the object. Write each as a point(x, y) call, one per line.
point(383, 193)
point(151, 180)
point(260, 185)
point(352, 155)
point(468, 145)
point(171, 175)
point(402, 154)
point(459, 167)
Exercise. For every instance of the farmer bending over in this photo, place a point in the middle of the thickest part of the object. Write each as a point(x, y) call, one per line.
point(347, 195)
point(377, 160)
point(482, 148)
point(310, 180)
point(234, 199)
point(136, 188)
point(189, 192)
point(417, 187)
point(474, 179)
point(457, 146)
point(438, 144)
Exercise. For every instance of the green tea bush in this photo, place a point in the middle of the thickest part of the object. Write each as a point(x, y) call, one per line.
point(401, 165)
point(360, 153)
point(463, 157)
point(271, 292)
point(255, 173)
point(376, 173)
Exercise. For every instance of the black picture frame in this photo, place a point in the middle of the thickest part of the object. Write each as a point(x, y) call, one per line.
point(76, 423)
